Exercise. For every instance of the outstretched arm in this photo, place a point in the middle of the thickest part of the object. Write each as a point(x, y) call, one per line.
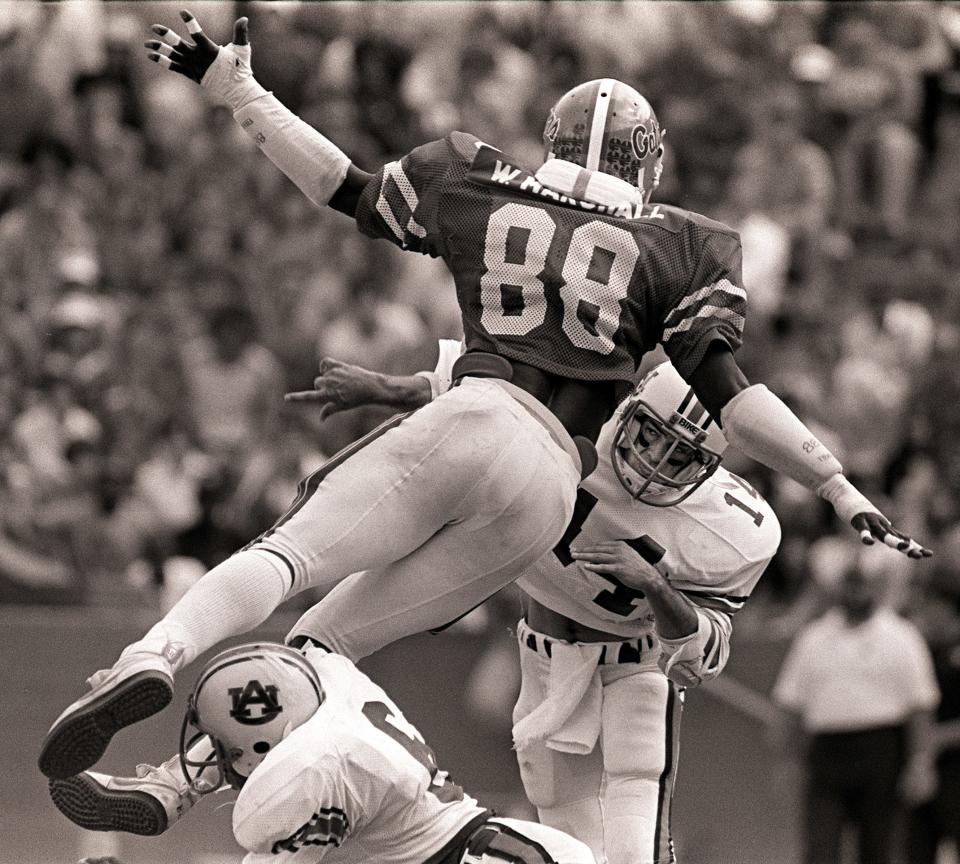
point(340, 386)
point(758, 423)
point(317, 166)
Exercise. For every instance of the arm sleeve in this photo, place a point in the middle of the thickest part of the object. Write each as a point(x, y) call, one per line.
point(713, 309)
point(702, 655)
point(291, 806)
point(718, 597)
point(401, 201)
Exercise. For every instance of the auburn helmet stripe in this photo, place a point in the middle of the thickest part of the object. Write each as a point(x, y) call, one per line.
point(247, 658)
point(598, 123)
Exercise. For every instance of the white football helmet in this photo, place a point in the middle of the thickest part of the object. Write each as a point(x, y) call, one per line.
point(247, 699)
point(666, 444)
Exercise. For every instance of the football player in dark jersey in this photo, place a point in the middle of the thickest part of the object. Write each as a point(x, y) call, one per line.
point(565, 277)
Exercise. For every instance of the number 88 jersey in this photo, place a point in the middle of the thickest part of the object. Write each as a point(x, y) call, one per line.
point(567, 285)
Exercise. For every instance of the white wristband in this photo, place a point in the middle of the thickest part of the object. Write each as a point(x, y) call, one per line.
point(230, 79)
point(846, 499)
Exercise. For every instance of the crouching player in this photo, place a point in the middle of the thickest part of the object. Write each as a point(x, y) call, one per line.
point(325, 763)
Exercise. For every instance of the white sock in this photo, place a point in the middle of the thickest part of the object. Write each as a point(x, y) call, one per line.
point(233, 598)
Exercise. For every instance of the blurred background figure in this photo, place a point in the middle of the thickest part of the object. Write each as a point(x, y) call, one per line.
point(858, 683)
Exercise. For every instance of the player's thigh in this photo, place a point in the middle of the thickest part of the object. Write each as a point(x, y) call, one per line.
point(640, 721)
point(472, 465)
point(437, 583)
point(526, 842)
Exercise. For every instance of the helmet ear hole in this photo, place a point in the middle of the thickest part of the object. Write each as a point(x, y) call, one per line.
point(261, 747)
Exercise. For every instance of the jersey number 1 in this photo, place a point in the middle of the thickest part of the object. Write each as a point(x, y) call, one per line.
point(598, 266)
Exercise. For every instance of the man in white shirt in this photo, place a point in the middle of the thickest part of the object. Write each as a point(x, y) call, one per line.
point(859, 682)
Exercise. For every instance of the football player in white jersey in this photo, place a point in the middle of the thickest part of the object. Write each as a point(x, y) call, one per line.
point(632, 607)
point(328, 770)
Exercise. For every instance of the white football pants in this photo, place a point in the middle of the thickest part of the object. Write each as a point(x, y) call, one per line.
point(617, 798)
point(452, 501)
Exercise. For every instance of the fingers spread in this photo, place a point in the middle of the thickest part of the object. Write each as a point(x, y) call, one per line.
point(160, 47)
point(170, 36)
point(161, 59)
point(895, 542)
point(196, 33)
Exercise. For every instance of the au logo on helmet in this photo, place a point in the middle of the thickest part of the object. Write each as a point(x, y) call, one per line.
point(644, 141)
point(254, 693)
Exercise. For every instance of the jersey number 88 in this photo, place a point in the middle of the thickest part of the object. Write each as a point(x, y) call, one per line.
point(597, 269)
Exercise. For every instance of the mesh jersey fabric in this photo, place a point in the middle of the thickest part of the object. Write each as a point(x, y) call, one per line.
point(572, 287)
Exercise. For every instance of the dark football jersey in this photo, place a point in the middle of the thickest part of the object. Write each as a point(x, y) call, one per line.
point(566, 285)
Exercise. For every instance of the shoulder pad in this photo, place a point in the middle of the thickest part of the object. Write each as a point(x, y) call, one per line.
point(465, 145)
point(704, 222)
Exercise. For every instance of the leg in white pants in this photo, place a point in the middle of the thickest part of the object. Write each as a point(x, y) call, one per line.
point(617, 798)
point(464, 492)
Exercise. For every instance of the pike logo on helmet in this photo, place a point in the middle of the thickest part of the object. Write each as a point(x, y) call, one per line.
point(254, 693)
point(643, 141)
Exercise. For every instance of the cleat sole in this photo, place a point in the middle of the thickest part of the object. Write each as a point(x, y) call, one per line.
point(78, 741)
point(87, 803)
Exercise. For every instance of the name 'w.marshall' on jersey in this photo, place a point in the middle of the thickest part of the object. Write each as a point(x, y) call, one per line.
point(570, 286)
point(712, 547)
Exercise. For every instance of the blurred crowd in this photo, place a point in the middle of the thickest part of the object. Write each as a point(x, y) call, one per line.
point(162, 284)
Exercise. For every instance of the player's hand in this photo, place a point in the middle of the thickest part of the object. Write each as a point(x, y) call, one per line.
point(617, 559)
point(191, 59)
point(873, 526)
point(340, 386)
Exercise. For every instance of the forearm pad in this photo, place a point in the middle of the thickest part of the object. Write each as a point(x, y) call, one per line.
point(761, 426)
point(316, 165)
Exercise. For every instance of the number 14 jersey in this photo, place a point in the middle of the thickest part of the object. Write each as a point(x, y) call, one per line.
point(567, 285)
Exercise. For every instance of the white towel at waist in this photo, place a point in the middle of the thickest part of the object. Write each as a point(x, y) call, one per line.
point(568, 720)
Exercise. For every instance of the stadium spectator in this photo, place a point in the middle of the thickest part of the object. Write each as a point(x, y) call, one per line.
point(858, 684)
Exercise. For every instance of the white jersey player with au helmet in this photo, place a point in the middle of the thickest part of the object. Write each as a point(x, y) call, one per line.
point(328, 770)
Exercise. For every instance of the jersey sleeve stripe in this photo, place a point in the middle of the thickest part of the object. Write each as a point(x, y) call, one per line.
point(721, 313)
point(398, 202)
point(719, 602)
point(724, 285)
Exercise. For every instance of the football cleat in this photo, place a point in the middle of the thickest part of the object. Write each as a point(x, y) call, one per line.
point(137, 686)
point(147, 804)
